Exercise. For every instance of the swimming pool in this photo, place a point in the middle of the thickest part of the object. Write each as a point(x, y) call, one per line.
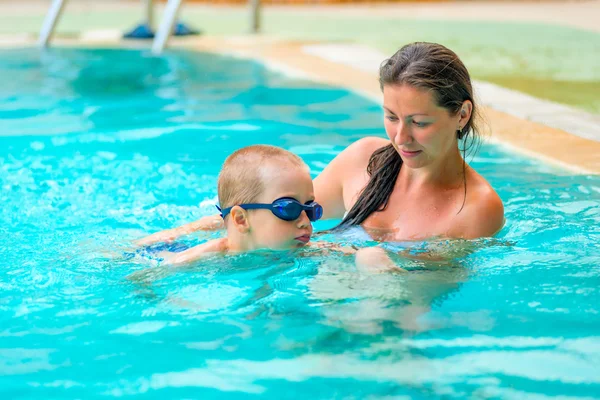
point(101, 146)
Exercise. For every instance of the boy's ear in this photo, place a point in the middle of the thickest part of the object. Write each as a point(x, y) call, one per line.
point(239, 219)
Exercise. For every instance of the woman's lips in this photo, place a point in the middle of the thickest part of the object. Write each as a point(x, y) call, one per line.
point(303, 238)
point(409, 154)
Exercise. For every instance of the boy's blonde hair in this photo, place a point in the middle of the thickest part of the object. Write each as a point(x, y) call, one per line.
point(241, 178)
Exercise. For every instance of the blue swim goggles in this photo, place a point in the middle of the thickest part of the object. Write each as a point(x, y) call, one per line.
point(286, 208)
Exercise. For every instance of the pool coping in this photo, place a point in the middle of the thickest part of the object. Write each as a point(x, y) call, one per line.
point(532, 138)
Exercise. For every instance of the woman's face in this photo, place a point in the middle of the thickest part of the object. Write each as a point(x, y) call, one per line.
point(421, 132)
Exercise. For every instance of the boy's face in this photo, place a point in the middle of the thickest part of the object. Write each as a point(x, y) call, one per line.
point(267, 230)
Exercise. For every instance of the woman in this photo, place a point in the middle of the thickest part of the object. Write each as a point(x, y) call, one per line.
point(414, 185)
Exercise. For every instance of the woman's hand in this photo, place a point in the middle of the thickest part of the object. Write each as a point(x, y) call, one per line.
point(327, 246)
point(375, 259)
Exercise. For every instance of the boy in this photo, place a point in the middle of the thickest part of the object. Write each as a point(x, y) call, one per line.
point(266, 200)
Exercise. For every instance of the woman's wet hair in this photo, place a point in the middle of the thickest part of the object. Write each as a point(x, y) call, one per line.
point(426, 66)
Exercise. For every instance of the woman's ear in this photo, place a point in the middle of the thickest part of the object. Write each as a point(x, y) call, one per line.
point(465, 112)
point(239, 219)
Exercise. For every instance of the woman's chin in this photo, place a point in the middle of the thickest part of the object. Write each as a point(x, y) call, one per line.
point(413, 163)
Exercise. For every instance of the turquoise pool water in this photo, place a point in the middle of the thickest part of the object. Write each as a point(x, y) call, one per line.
point(100, 147)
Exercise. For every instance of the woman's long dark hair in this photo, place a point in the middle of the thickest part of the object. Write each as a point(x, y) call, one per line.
point(427, 66)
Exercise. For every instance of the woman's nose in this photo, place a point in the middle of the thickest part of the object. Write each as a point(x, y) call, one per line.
point(402, 134)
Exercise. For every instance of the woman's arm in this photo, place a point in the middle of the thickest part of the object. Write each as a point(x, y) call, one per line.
point(376, 259)
point(329, 190)
point(208, 223)
point(482, 216)
point(345, 176)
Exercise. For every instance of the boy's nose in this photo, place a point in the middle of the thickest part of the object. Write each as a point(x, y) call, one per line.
point(303, 220)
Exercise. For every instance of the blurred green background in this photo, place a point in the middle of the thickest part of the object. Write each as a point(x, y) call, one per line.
point(557, 63)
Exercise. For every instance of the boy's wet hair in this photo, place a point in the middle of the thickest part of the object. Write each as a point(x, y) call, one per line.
point(241, 177)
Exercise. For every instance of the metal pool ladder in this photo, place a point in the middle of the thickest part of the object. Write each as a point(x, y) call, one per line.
point(164, 30)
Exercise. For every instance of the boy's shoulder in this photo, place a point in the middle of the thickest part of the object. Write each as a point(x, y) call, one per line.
point(217, 245)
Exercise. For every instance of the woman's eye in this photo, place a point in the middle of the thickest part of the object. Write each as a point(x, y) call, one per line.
point(391, 118)
point(421, 124)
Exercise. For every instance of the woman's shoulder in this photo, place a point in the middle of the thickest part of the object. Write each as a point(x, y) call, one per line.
point(357, 155)
point(362, 149)
point(369, 144)
point(484, 210)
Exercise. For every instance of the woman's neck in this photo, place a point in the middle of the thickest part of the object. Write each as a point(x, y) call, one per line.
point(447, 172)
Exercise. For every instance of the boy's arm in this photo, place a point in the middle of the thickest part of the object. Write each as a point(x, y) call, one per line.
point(208, 223)
point(174, 261)
point(212, 247)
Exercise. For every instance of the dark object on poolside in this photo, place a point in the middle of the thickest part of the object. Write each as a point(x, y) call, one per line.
point(182, 29)
point(143, 31)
